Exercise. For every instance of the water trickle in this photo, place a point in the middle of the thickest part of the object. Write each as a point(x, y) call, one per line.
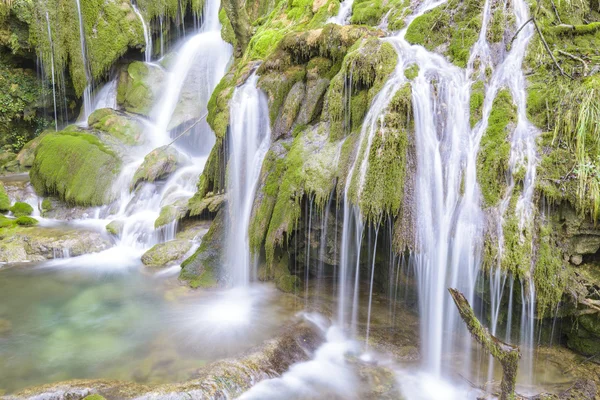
point(53, 74)
point(344, 13)
point(87, 92)
point(147, 34)
point(250, 137)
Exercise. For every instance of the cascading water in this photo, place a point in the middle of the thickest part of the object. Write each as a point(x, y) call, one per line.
point(87, 92)
point(344, 13)
point(249, 141)
point(53, 75)
point(147, 34)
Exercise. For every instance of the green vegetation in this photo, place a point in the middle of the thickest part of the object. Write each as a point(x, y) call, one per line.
point(494, 152)
point(26, 221)
point(476, 102)
point(75, 166)
point(456, 24)
point(4, 200)
point(21, 209)
point(549, 275)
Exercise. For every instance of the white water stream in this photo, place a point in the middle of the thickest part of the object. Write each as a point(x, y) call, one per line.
point(344, 13)
point(53, 74)
point(147, 34)
point(87, 92)
point(250, 137)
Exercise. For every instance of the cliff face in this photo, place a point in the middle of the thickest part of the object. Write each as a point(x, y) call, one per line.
point(321, 80)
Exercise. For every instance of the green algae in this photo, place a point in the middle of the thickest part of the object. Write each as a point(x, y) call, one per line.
point(21, 209)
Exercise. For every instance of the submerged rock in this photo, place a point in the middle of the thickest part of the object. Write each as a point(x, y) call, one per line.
point(222, 379)
point(19, 244)
point(158, 164)
point(166, 254)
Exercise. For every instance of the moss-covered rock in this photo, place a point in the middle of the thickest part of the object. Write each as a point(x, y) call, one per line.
point(494, 152)
point(116, 125)
point(26, 221)
point(21, 209)
point(451, 28)
point(211, 204)
point(4, 200)
point(171, 212)
point(115, 227)
point(139, 87)
point(158, 164)
point(75, 166)
point(203, 268)
point(165, 254)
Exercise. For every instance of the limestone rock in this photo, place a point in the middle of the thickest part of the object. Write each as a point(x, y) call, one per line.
point(139, 87)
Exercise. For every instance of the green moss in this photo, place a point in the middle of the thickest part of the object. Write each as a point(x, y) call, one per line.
point(75, 166)
point(549, 275)
point(494, 151)
point(46, 205)
point(94, 397)
point(383, 187)
point(263, 44)
point(455, 24)
point(517, 253)
point(4, 200)
point(118, 126)
point(411, 72)
point(218, 105)
point(21, 209)
point(6, 222)
point(497, 25)
point(227, 32)
point(476, 102)
point(26, 221)
point(137, 85)
point(371, 12)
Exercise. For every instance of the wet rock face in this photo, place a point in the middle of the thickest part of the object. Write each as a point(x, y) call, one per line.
point(139, 87)
point(37, 244)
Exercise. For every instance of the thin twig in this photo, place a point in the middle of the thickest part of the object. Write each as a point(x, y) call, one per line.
point(519, 30)
point(539, 31)
point(189, 128)
point(581, 362)
point(555, 11)
point(574, 57)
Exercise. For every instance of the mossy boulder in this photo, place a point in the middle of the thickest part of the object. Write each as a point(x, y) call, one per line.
point(210, 203)
point(75, 166)
point(158, 164)
point(165, 254)
point(139, 86)
point(21, 209)
point(115, 227)
point(26, 221)
point(203, 268)
point(171, 212)
point(116, 125)
point(4, 199)
point(27, 154)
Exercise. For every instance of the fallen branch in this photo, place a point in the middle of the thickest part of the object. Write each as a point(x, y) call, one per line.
point(507, 354)
point(539, 31)
point(555, 11)
point(520, 29)
point(574, 57)
point(581, 362)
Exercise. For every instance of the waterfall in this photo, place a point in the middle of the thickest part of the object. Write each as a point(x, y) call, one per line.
point(87, 92)
point(344, 13)
point(147, 34)
point(249, 141)
point(53, 75)
point(450, 222)
point(181, 108)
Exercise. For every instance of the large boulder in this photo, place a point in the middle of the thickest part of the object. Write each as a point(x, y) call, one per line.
point(20, 244)
point(75, 166)
point(158, 164)
point(139, 87)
